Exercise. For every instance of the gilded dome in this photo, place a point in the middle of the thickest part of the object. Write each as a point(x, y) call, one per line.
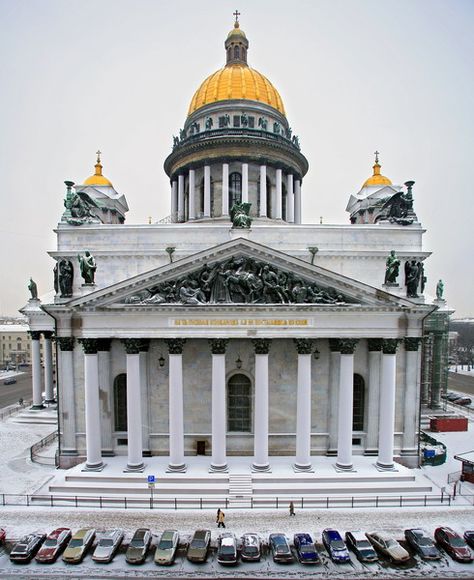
point(98, 178)
point(236, 81)
point(377, 178)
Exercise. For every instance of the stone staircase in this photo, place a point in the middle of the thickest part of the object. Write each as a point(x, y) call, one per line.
point(47, 416)
point(240, 490)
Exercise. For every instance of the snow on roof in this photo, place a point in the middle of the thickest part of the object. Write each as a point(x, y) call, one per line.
point(14, 328)
point(467, 457)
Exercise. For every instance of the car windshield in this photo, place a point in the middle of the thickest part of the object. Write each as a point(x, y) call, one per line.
point(106, 542)
point(198, 544)
point(21, 548)
point(137, 543)
point(227, 549)
point(50, 543)
point(338, 545)
point(75, 543)
point(282, 549)
point(308, 548)
point(364, 544)
point(250, 549)
point(457, 542)
point(165, 545)
point(424, 542)
point(391, 543)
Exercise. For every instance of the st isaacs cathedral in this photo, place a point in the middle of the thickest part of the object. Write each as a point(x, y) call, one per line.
point(232, 328)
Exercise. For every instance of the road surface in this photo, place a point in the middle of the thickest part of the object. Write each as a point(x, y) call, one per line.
point(10, 394)
point(461, 383)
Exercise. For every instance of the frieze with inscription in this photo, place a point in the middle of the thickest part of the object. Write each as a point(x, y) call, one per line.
point(240, 280)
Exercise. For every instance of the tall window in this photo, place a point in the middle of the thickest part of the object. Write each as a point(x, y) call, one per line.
point(120, 402)
point(283, 201)
point(239, 404)
point(235, 188)
point(359, 404)
point(236, 52)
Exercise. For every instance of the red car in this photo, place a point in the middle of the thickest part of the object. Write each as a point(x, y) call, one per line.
point(54, 544)
point(453, 544)
point(3, 535)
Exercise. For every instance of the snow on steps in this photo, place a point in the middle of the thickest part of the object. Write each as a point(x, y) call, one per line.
point(240, 490)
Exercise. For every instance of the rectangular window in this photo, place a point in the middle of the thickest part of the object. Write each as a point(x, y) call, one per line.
point(236, 120)
point(221, 122)
point(252, 122)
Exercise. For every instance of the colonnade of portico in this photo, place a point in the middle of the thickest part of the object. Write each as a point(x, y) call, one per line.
point(36, 368)
point(380, 428)
point(186, 181)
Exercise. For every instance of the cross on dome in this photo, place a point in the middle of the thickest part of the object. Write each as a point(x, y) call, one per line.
point(236, 14)
point(98, 153)
point(377, 153)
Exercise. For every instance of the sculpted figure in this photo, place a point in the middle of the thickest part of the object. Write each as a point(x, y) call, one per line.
point(56, 278)
point(239, 214)
point(439, 290)
point(209, 123)
point(276, 127)
point(33, 288)
point(87, 266)
point(262, 123)
point(190, 293)
point(412, 278)
point(219, 290)
point(182, 134)
point(244, 121)
point(65, 274)
point(175, 142)
point(392, 268)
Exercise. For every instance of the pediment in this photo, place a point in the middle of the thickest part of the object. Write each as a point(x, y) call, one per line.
point(240, 272)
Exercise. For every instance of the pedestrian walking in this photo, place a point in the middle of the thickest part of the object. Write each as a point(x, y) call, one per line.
point(292, 508)
point(221, 519)
point(20, 401)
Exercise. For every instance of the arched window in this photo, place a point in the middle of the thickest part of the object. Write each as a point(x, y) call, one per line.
point(120, 402)
point(236, 52)
point(359, 404)
point(235, 189)
point(239, 407)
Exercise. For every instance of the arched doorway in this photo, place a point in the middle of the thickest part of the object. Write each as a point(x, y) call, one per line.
point(120, 402)
point(359, 404)
point(239, 404)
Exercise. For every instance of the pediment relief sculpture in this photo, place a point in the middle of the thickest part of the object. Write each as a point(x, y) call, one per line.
point(239, 280)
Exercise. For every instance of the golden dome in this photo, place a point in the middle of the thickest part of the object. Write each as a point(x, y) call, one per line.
point(377, 178)
point(236, 81)
point(98, 178)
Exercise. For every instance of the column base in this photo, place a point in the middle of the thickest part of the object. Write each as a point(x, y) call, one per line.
point(259, 468)
point(50, 401)
point(303, 468)
point(344, 468)
point(371, 452)
point(94, 466)
point(174, 468)
point(36, 407)
point(135, 468)
point(331, 452)
point(108, 453)
point(385, 467)
point(224, 468)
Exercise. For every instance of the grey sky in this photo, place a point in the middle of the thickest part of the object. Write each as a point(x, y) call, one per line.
point(355, 76)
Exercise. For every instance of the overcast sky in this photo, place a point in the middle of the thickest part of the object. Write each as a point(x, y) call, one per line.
point(355, 76)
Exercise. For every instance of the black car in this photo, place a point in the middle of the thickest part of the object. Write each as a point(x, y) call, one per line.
point(469, 537)
point(422, 544)
point(335, 546)
point(227, 549)
point(281, 551)
point(251, 549)
point(360, 545)
point(25, 550)
point(305, 549)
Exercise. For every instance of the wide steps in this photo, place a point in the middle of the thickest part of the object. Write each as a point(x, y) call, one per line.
point(240, 490)
point(138, 489)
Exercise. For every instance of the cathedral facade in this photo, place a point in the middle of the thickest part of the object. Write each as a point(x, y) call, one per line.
point(234, 328)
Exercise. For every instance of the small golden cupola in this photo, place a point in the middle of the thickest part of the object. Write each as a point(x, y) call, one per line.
point(377, 178)
point(98, 178)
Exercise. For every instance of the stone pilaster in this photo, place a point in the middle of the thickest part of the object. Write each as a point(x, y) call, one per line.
point(219, 460)
point(262, 348)
point(304, 348)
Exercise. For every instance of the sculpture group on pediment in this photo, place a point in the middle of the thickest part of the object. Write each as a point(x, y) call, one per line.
point(239, 280)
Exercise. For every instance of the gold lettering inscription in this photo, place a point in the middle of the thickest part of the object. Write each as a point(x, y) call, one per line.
point(239, 322)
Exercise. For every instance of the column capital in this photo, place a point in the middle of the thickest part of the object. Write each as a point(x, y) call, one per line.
point(218, 345)
point(66, 343)
point(103, 344)
point(89, 345)
point(48, 334)
point(175, 345)
point(412, 342)
point(144, 345)
point(35, 335)
point(132, 345)
point(374, 344)
point(262, 345)
point(334, 345)
point(389, 345)
point(303, 345)
point(347, 345)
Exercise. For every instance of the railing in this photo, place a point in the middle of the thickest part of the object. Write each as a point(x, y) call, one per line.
point(155, 502)
point(455, 476)
point(34, 449)
point(14, 409)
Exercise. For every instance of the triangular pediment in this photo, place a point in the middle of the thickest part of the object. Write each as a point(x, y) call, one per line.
point(240, 272)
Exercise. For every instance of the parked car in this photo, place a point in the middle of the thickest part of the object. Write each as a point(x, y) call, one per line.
point(387, 545)
point(78, 545)
point(305, 549)
point(335, 546)
point(251, 548)
point(26, 548)
point(138, 547)
point(469, 537)
point(281, 551)
point(452, 542)
point(360, 545)
point(108, 545)
point(3, 535)
point(166, 550)
point(227, 549)
point(464, 401)
point(9, 381)
point(199, 546)
point(452, 396)
point(422, 544)
point(54, 544)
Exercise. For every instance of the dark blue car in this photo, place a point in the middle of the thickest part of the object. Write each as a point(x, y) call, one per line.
point(335, 546)
point(305, 549)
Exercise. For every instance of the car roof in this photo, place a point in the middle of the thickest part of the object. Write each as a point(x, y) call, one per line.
point(382, 535)
point(358, 535)
point(57, 532)
point(82, 533)
point(201, 533)
point(168, 534)
point(333, 534)
point(227, 540)
point(304, 538)
point(111, 533)
point(140, 532)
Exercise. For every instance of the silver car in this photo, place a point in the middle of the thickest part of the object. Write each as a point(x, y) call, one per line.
point(167, 546)
point(108, 545)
